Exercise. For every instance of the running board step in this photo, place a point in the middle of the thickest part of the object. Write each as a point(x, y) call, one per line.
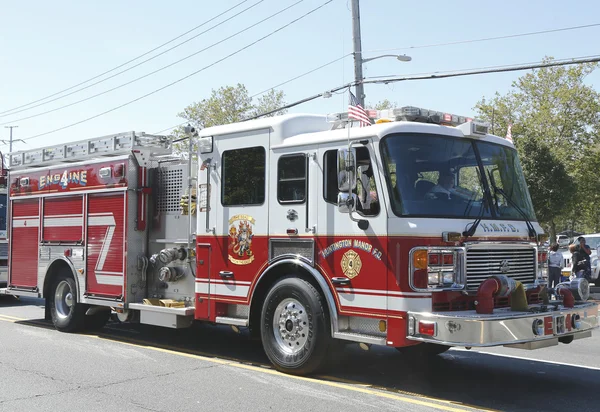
point(175, 318)
point(359, 337)
point(231, 321)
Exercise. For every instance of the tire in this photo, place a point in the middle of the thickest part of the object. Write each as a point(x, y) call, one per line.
point(298, 343)
point(97, 321)
point(68, 315)
point(423, 350)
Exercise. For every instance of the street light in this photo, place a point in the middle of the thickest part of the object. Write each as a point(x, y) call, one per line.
point(401, 57)
point(358, 72)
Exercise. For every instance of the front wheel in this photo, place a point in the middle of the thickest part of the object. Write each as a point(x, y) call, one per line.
point(295, 327)
point(67, 314)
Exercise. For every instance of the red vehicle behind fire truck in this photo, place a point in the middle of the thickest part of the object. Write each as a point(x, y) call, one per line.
point(3, 216)
point(416, 232)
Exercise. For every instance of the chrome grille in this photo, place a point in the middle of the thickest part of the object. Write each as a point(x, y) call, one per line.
point(519, 264)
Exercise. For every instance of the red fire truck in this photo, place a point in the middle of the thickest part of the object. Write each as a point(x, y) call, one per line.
point(416, 232)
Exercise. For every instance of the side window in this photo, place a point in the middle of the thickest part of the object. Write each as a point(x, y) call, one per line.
point(366, 191)
point(291, 179)
point(243, 173)
point(330, 180)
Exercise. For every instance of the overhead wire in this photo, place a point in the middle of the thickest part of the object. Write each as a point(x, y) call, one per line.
point(417, 47)
point(155, 71)
point(188, 76)
point(130, 61)
point(136, 65)
point(272, 87)
point(539, 65)
point(508, 36)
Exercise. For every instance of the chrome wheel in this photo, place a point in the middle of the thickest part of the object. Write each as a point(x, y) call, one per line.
point(63, 299)
point(291, 332)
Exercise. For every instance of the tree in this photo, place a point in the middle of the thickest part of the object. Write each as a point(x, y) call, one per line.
point(555, 123)
point(229, 104)
point(383, 105)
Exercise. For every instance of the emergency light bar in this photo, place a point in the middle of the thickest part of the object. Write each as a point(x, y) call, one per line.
point(418, 114)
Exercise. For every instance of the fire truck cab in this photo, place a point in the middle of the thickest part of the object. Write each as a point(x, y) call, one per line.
point(416, 232)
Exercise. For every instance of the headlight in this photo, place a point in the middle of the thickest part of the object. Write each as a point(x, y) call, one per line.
point(437, 269)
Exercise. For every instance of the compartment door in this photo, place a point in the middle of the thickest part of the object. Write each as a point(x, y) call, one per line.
point(106, 244)
point(24, 243)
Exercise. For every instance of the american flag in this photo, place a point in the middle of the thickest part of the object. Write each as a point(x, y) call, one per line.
point(509, 133)
point(355, 111)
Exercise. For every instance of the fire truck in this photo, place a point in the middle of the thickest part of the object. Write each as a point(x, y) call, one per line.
point(416, 232)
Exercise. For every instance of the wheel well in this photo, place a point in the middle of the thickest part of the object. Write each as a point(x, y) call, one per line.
point(57, 268)
point(268, 280)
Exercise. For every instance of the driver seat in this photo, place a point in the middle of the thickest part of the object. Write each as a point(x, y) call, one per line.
point(422, 187)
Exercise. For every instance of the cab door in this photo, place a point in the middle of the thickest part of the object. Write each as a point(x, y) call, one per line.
point(293, 207)
point(354, 254)
point(239, 242)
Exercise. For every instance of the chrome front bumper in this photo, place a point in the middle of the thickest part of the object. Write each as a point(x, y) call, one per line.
point(503, 327)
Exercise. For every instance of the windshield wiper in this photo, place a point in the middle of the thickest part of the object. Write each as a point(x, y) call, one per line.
point(471, 231)
point(530, 228)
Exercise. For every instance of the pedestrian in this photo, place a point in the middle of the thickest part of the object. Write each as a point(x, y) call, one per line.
point(584, 255)
point(555, 264)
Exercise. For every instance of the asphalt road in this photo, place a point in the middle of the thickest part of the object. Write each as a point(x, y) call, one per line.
point(145, 368)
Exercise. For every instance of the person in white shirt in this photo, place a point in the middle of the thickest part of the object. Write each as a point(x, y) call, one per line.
point(555, 264)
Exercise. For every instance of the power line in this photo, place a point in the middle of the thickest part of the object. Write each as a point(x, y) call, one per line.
point(554, 63)
point(471, 69)
point(270, 88)
point(539, 65)
point(508, 36)
point(417, 47)
point(302, 75)
point(130, 61)
point(188, 76)
point(155, 71)
point(132, 67)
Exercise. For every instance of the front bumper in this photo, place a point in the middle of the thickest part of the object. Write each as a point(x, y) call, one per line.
point(504, 327)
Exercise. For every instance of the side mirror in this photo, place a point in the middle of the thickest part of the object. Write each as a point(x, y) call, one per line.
point(345, 203)
point(346, 169)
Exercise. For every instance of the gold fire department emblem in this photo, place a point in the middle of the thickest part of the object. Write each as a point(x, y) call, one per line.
point(351, 264)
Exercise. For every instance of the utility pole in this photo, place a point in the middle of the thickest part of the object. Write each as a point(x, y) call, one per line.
point(358, 58)
point(10, 142)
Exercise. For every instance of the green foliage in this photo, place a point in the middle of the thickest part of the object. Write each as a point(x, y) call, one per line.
point(228, 104)
point(555, 127)
point(382, 105)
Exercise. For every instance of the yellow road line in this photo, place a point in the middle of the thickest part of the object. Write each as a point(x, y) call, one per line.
point(11, 317)
point(353, 386)
point(269, 371)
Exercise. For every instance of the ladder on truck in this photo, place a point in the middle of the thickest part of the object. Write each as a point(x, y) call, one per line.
point(105, 146)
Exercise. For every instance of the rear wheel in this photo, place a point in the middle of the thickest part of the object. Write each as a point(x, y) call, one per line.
point(66, 312)
point(295, 327)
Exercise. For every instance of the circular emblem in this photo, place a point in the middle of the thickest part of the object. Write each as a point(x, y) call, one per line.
point(351, 264)
point(504, 266)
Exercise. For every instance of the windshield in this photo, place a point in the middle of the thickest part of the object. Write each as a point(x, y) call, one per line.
point(440, 176)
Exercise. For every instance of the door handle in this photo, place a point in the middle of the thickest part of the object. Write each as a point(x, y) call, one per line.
point(226, 274)
point(342, 281)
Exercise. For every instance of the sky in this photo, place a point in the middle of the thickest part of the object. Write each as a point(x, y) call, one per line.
point(46, 47)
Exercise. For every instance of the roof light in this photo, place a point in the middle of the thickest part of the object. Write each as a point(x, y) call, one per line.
point(474, 128)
